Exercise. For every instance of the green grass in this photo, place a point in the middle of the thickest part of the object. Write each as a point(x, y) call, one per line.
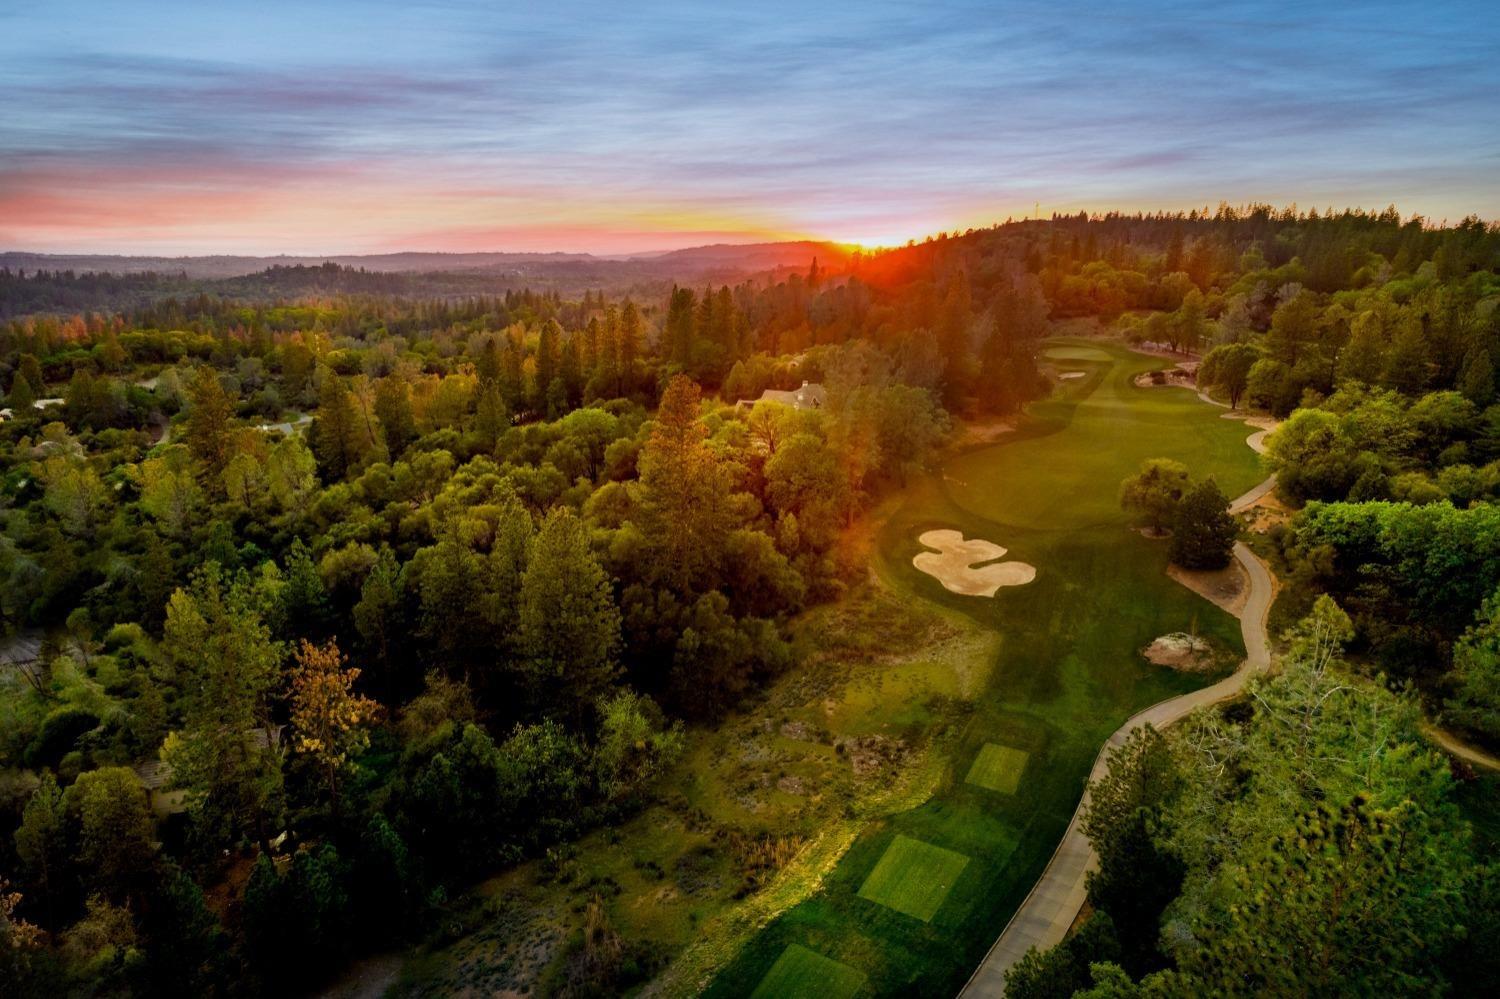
point(1067, 670)
point(800, 973)
point(1076, 354)
point(913, 877)
point(998, 768)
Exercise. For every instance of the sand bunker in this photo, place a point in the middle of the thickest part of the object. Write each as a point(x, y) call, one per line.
point(1069, 375)
point(957, 564)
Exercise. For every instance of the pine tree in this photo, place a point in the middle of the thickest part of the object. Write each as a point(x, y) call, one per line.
point(570, 626)
point(22, 395)
point(209, 434)
point(687, 491)
point(629, 346)
point(1203, 532)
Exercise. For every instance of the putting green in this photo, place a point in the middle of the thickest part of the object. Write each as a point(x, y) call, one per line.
point(800, 973)
point(998, 768)
point(1067, 672)
point(914, 877)
point(1076, 354)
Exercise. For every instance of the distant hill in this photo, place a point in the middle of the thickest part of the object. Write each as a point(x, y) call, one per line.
point(691, 262)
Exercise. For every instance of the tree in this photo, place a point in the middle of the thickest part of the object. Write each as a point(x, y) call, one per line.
point(226, 667)
point(1189, 321)
point(169, 492)
point(629, 346)
point(210, 426)
point(377, 613)
point(19, 940)
point(1203, 532)
point(74, 494)
point(1137, 875)
point(687, 492)
point(1063, 970)
point(1228, 366)
point(292, 474)
point(1151, 495)
point(42, 845)
point(635, 746)
point(1475, 703)
point(1346, 887)
point(328, 718)
point(393, 410)
point(115, 831)
point(340, 438)
point(570, 626)
point(22, 395)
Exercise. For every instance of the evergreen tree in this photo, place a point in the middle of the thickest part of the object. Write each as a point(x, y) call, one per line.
point(570, 626)
point(393, 410)
point(22, 395)
point(209, 434)
point(1203, 532)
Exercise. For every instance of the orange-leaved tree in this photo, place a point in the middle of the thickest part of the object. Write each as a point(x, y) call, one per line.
point(329, 719)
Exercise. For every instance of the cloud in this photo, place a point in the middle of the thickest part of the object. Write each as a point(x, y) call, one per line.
point(765, 118)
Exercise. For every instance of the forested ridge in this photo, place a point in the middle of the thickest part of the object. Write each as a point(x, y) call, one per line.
point(405, 584)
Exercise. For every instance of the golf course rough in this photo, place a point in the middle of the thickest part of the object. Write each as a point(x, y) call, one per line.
point(969, 566)
point(800, 973)
point(998, 768)
point(1064, 672)
point(914, 877)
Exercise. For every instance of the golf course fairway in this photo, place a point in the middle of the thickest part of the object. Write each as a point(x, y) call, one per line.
point(918, 898)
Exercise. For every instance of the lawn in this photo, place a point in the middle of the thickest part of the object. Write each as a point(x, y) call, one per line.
point(801, 974)
point(913, 877)
point(1076, 354)
point(1066, 672)
point(998, 768)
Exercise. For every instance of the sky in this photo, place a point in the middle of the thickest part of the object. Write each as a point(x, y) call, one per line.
point(347, 126)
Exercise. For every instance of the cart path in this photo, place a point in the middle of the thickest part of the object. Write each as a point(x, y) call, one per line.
point(1056, 899)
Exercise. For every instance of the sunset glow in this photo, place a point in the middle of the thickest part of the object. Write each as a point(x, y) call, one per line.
point(273, 128)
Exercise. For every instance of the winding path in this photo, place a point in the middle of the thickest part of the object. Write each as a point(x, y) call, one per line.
point(1056, 899)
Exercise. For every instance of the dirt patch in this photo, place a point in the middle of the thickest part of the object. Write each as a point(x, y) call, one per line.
point(1226, 588)
point(872, 754)
point(792, 784)
point(968, 566)
point(972, 432)
point(370, 978)
point(1181, 651)
point(1269, 511)
point(801, 731)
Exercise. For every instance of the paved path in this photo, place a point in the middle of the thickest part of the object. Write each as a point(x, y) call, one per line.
point(1055, 900)
point(1450, 743)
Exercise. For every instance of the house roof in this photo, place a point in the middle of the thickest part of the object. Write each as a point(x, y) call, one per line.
point(810, 396)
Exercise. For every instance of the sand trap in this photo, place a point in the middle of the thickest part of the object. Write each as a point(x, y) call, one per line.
point(1068, 375)
point(956, 564)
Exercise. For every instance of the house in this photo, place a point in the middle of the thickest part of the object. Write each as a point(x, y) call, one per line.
point(810, 396)
point(156, 775)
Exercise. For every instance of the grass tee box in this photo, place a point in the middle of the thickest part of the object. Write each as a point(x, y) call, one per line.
point(998, 768)
point(913, 877)
point(800, 973)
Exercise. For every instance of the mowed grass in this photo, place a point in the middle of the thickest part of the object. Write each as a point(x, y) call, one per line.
point(1076, 354)
point(998, 768)
point(913, 877)
point(1067, 669)
point(802, 974)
